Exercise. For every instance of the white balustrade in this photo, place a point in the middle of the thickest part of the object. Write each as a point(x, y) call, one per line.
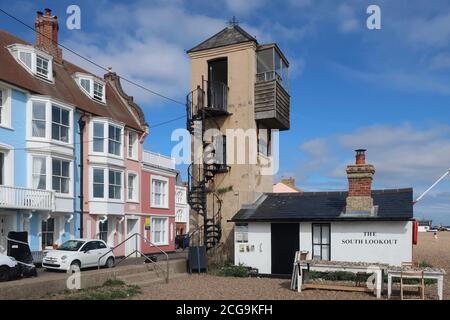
point(158, 160)
point(23, 198)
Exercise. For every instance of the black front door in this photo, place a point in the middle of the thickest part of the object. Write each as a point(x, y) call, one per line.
point(285, 242)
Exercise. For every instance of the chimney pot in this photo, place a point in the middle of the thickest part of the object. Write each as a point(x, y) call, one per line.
point(40, 13)
point(360, 156)
point(47, 34)
point(48, 12)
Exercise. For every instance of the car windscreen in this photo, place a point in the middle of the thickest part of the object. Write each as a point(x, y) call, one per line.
point(71, 245)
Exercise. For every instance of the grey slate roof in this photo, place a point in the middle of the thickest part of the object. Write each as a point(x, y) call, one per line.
point(395, 204)
point(229, 35)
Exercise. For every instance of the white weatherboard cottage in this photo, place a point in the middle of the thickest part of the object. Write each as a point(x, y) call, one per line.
point(361, 225)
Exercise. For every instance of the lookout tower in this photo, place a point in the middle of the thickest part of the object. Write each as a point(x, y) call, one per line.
point(240, 93)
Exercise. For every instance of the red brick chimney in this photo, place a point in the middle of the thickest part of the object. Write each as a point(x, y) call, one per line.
point(47, 34)
point(360, 176)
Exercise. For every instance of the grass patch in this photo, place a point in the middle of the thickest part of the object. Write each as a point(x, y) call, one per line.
point(112, 289)
point(230, 270)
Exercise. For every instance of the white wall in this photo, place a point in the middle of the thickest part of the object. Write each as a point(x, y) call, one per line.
point(387, 242)
point(260, 256)
point(352, 241)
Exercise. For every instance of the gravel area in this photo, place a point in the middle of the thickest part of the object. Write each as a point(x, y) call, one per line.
point(207, 286)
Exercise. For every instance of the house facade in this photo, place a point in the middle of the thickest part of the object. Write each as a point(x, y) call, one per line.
point(71, 148)
point(157, 222)
point(358, 225)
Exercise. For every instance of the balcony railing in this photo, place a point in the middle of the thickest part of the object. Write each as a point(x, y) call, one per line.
point(158, 160)
point(22, 198)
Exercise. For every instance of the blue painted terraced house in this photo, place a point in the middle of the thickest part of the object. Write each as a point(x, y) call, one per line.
point(44, 103)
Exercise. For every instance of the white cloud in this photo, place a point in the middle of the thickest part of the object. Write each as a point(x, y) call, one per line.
point(347, 18)
point(403, 155)
point(244, 7)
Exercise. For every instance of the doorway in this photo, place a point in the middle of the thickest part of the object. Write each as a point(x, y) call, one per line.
point(285, 241)
point(6, 225)
point(218, 84)
point(132, 228)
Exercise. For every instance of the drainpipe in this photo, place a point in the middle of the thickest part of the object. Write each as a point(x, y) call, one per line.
point(81, 125)
point(70, 218)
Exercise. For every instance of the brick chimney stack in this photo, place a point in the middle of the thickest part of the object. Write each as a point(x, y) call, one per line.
point(360, 176)
point(47, 34)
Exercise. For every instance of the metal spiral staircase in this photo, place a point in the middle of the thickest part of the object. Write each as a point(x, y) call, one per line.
point(200, 105)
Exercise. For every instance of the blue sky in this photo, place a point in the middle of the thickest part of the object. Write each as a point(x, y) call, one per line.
point(386, 90)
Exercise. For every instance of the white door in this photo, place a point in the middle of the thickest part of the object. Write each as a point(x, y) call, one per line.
point(6, 225)
point(132, 228)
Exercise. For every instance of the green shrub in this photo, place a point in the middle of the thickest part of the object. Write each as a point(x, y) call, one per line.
point(425, 264)
point(229, 270)
point(337, 276)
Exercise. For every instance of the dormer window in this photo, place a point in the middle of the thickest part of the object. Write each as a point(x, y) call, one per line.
point(92, 86)
point(42, 66)
point(33, 60)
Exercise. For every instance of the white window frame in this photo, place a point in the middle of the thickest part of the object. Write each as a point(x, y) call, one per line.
point(8, 164)
point(165, 204)
point(49, 173)
point(5, 107)
point(49, 103)
point(134, 147)
point(106, 123)
point(113, 140)
point(94, 183)
point(61, 177)
point(17, 49)
point(91, 93)
point(164, 231)
point(241, 233)
point(60, 124)
point(135, 187)
point(120, 185)
point(105, 198)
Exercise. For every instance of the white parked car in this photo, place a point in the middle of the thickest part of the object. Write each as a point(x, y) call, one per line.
point(9, 268)
point(79, 253)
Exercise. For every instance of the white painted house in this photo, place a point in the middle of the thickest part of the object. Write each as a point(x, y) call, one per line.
point(359, 225)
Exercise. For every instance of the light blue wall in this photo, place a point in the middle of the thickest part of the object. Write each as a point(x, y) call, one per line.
point(16, 136)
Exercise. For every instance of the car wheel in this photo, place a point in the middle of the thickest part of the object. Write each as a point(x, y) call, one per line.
point(4, 273)
point(75, 266)
point(109, 262)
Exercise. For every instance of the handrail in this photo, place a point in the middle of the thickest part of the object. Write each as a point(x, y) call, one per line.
point(141, 253)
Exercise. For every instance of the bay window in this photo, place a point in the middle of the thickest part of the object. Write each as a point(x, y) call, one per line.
point(60, 175)
point(2, 106)
point(115, 184)
point(107, 138)
point(159, 193)
point(159, 231)
point(58, 118)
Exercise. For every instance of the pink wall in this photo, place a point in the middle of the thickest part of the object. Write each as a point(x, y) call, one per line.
point(282, 188)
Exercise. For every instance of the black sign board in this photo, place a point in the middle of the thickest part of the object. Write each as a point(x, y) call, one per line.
point(197, 259)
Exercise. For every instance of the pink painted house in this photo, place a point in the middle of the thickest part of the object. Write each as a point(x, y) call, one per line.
point(158, 202)
point(112, 155)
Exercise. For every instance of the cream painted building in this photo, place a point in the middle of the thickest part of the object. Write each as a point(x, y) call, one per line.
point(239, 88)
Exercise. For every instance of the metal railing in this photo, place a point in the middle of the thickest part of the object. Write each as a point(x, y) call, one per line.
point(156, 159)
point(217, 95)
point(136, 250)
point(23, 198)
